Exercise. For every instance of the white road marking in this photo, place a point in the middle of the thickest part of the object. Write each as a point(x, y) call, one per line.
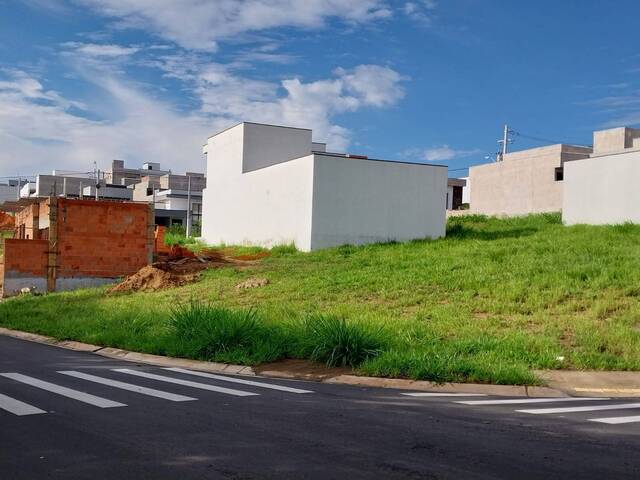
point(619, 406)
point(17, 407)
point(186, 383)
point(238, 380)
point(173, 397)
point(517, 401)
point(616, 420)
point(64, 391)
point(444, 394)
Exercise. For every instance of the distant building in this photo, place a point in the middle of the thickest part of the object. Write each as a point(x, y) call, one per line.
point(528, 181)
point(269, 185)
point(120, 175)
point(10, 190)
point(171, 194)
point(605, 188)
point(60, 184)
point(455, 188)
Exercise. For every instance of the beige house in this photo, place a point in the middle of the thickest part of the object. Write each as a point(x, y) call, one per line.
point(605, 188)
point(528, 181)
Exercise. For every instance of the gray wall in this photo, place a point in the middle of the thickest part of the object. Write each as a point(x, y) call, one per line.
point(367, 201)
point(602, 190)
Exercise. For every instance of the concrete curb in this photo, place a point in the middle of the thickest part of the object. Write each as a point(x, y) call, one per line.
point(136, 357)
point(424, 386)
point(561, 383)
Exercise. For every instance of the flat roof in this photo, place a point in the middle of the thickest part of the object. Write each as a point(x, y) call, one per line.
point(264, 125)
point(404, 162)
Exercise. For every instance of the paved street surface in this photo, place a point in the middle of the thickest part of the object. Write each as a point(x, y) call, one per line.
point(70, 415)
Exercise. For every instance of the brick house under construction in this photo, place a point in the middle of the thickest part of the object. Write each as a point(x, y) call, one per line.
point(63, 244)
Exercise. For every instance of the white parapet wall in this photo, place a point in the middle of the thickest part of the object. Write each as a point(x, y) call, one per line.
point(265, 187)
point(602, 190)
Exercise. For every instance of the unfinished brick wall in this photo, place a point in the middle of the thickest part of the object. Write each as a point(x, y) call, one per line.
point(25, 265)
point(83, 243)
point(102, 239)
point(26, 222)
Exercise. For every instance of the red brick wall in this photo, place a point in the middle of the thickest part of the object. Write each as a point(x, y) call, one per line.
point(102, 239)
point(25, 218)
point(27, 257)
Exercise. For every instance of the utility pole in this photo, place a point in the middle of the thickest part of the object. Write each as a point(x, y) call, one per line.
point(19, 188)
point(189, 214)
point(504, 143)
point(98, 185)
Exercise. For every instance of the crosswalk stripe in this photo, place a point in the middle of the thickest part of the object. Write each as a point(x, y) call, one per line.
point(173, 397)
point(64, 391)
point(17, 407)
point(186, 383)
point(517, 401)
point(238, 380)
point(590, 408)
point(616, 420)
point(444, 394)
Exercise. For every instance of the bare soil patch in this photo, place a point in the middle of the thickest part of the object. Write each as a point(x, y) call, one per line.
point(171, 272)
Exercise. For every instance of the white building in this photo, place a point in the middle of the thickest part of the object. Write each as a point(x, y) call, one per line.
point(270, 185)
point(10, 191)
point(603, 189)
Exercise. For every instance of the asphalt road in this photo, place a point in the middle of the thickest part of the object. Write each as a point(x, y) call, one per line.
point(197, 431)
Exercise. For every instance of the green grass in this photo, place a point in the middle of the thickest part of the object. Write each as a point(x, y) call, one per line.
point(493, 301)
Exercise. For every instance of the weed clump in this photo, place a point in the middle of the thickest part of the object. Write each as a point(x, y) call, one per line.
point(210, 332)
point(337, 342)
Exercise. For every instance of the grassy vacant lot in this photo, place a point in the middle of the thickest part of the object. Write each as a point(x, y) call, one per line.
point(494, 300)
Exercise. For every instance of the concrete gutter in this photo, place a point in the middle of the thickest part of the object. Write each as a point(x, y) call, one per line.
point(561, 383)
point(593, 383)
point(136, 357)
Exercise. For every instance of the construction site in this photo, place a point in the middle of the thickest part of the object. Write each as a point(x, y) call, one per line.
point(55, 244)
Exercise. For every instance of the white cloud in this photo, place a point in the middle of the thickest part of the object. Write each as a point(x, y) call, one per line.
point(40, 130)
point(420, 10)
point(38, 137)
point(198, 24)
point(101, 50)
point(444, 153)
point(225, 94)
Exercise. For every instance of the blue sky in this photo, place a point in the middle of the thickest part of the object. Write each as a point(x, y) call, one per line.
point(421, 80)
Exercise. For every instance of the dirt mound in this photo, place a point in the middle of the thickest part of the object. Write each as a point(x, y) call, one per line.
point(169, 272)
point(7, 222)
point(151, 278)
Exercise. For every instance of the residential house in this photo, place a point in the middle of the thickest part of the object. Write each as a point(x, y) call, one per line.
point(270, 185)
point(605, 187)
point(455, 187)
point(528, 181)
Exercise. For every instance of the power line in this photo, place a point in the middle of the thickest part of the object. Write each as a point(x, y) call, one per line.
point(547, 140)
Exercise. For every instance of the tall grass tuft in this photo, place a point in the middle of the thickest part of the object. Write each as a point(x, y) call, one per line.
point(217, 333)
point(337, 342)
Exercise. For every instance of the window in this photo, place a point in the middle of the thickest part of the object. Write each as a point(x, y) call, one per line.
point(196, 213)
point(559, 174)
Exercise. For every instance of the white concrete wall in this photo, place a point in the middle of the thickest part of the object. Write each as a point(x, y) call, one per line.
point(266, 145)
point(602, 190)
point(367, 201)
point(268, 206)
point(466, 190)
point(259, 193)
